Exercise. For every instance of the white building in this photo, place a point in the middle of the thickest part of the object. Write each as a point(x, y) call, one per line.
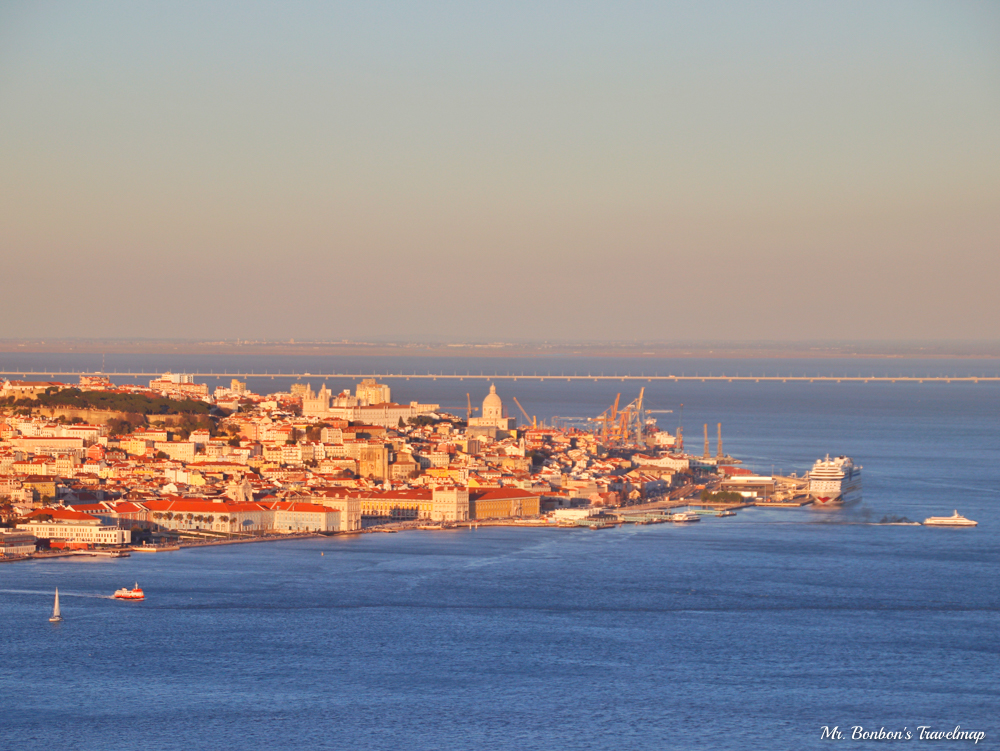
point(492, 415)
point(450, 504)
point(16, 543)
point(347, 506)
point(572, 514)
point(305, 517)
point(331, 435)
point(73, 526)
point(178, 451)
point(369, 392)
point(676, 463)
point(371, 405)
point(178, 513)
point(386, 415)
point(313, 404)
point(50, 446)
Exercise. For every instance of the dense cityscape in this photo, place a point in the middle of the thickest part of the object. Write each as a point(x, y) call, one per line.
point(99, 466)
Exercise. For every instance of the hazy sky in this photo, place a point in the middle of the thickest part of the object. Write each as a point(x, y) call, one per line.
point(475, 170)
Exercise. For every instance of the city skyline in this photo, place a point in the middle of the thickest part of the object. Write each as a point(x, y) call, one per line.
point(426, 172)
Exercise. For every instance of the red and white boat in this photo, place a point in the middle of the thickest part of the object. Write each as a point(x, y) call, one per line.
point(130, 594)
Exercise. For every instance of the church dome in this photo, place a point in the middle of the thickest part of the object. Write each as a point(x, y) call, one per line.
point(492, 405)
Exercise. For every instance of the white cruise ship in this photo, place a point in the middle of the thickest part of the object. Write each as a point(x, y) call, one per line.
point(834, 482)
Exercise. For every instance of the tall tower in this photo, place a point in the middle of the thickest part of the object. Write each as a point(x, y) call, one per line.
point(719, 453)
point(707, 452)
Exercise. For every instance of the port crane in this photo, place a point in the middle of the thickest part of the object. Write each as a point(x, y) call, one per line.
point(619, 427)
point(607, 418)
point(532, 420)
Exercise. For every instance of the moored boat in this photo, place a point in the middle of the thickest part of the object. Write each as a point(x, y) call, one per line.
point(130, 594)
point(685, 517)
point(955, 520)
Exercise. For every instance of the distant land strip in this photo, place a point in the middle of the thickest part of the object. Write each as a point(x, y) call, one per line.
point(528, 376)
point(875, 350)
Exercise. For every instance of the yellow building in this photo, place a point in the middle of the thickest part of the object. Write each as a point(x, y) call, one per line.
point(399, 504)
point(502, 503)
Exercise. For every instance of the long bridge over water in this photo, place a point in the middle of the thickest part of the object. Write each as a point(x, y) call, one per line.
point(42, 374)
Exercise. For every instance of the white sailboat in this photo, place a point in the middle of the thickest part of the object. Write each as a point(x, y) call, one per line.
point(56, 615)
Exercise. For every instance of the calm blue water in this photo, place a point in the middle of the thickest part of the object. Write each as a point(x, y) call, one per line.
point(748, 632)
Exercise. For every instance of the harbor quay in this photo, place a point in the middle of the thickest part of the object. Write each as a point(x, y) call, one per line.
point(98, 468)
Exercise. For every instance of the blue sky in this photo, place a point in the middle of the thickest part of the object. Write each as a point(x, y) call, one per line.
point(454, 171)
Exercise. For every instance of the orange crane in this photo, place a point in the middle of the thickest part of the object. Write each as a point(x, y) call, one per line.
point(607, 418)
point(622, 426)
point(632, 426)
point(532, 420)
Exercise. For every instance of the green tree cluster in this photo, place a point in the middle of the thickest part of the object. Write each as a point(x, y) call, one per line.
point(125, 424)
point(726, 496)
point(106, 400)
point(422, 420)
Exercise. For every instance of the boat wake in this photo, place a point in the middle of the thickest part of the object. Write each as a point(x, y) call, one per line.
point(849, 523)
point(48, 593)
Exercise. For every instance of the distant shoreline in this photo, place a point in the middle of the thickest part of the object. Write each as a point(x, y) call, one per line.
point(709, 350)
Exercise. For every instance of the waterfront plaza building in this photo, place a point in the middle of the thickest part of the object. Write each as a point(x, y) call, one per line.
point(73, 526)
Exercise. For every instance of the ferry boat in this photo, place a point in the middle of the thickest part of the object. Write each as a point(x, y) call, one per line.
point(834, 482)
point(955, 520)
point(130, 594)
point(597, 525)
point(685, 517)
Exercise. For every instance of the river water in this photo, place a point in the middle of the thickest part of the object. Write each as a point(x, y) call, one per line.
point(746, 632)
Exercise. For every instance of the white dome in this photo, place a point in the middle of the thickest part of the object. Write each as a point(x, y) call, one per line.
point(492, 405)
